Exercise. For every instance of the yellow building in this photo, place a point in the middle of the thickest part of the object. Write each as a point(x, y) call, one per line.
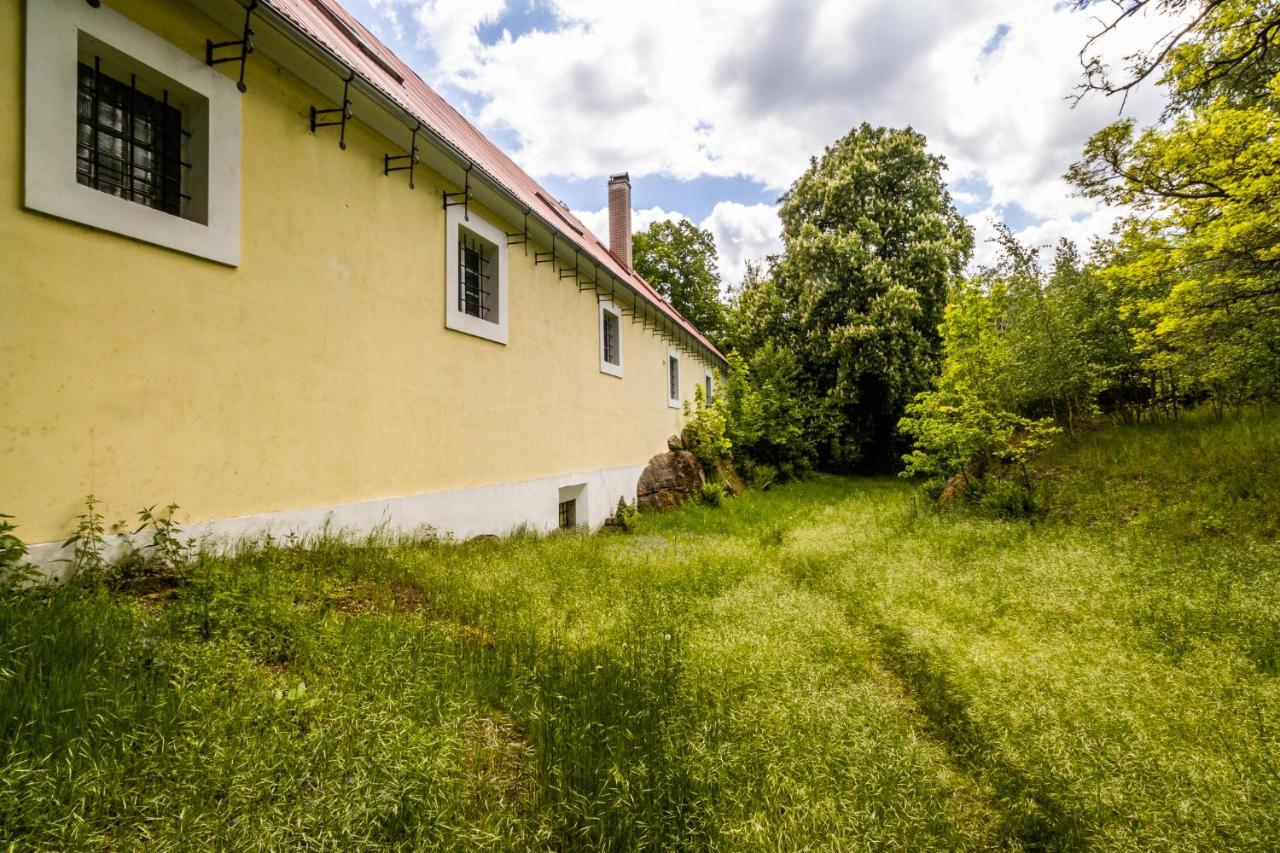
point(224, 287)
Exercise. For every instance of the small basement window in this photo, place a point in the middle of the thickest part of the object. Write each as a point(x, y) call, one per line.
point(570, 498)
point(610, 339)
point(569, 514)
point(476, 278)
point(673, 379)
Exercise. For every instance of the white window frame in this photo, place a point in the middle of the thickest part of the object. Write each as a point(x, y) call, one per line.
point(53, 50)
point(708, 384)
point(454, 317)
point(607, 307)
point(672, 353)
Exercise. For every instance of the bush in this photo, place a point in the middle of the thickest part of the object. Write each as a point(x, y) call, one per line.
point(712, 494)
point(766, 419)
point(1009, 498)
point(759, 475)
point(14, 569)
point(625, 516)
point(704, 434)
point(956, 435)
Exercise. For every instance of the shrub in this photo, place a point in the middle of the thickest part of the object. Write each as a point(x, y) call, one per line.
point(704, 434)
point(957, 436)
point(625, 516)
point(712, 494)
point(767, 420)
point(1009, 498)
point(759, 475)
point(14, 569)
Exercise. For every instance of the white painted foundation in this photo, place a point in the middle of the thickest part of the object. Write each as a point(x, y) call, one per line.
point(460, 513)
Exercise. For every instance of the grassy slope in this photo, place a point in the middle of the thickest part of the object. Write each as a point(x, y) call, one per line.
point(827, 664)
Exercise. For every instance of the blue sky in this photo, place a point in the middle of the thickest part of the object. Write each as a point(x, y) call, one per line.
point(715, 106)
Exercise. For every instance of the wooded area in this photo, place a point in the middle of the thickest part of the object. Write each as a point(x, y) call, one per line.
point(865, 343)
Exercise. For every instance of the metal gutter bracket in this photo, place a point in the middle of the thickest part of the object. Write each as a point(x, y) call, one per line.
point(245, 43)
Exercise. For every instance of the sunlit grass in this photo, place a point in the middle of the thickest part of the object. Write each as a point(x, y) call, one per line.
point(831, 664)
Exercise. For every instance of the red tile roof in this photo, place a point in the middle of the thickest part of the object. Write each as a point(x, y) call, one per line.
point(336, 31)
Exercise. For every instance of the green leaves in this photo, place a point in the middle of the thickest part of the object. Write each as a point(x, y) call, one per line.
point(873, 243)
point(679, 260)
point(957, 434)
point(705, 430)
point(1197, 265)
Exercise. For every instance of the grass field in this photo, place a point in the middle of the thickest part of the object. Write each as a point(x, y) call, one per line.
point(830, 664)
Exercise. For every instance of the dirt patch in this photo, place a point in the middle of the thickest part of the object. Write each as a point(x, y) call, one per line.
point(355, 599)
point(363, 598)
point(277, 668)
point(150, 583)
point(408, 598)
point(500, 764)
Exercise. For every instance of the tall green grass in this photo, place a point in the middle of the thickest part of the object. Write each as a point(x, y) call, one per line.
point(829, 665)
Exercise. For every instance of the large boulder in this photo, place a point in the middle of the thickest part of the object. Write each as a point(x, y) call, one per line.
point(668, 479)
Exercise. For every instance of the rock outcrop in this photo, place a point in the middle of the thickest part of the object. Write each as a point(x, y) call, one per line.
point(668, 479)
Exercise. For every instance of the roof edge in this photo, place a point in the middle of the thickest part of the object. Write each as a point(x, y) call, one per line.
point(295, 30)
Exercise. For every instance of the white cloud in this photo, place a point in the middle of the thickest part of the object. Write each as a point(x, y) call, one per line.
point(597, 221)
point(753, 88)
point(742, 232)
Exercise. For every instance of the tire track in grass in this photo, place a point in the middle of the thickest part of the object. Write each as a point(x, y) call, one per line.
point(975, 800)
point(982, 782)
point(941, 713)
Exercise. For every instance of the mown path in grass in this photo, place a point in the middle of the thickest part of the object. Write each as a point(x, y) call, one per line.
point(828, 665)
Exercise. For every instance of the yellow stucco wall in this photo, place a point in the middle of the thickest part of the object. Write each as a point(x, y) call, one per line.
point(318, 372)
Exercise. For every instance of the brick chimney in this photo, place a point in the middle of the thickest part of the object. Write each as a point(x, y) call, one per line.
point(620, 218)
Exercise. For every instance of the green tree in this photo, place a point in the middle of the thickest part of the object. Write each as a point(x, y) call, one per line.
point(1059, 334)
point(679, 260)
point(872, 244)
point(768, 412)
point(1198, 261)
point(958, 437)
point(1217, 49)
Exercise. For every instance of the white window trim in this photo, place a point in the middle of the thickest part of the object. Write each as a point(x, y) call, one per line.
point(53, 28)
point(673, 402)
point(708, 384)
point(454, 317)
point(607, 307)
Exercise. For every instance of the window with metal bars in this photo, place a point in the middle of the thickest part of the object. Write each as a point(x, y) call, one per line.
point(673, 378)
point(568, 514)
point(475, 281)
point(609, 334)
point(129, 144)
